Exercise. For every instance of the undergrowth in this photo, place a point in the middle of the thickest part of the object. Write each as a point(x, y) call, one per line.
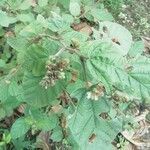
point(68, 75)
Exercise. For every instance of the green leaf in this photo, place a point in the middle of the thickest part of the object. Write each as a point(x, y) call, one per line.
point(72, 87)
point(103, 48)
point(5, 19)
point(42, 21)
point(64, 3)
point(2, 32)
point(7, 138)
point(74, 36)
point(121, 38)
point(33, 29)
point(138, 76)
point(35, 60)
point(100, 52)
point(16, 90)
point(108, 56)
point(42, 3)
point(2, 144)
point(91, 2)
point(85, 122)
point(7, 107)
point(57, 134)
point(4, 94)
point(2, 2)
point(41, 120)
point(36, 95)
point(18, 43)
point(25, 17)
point(136, 49)
point(47, 123)
point(102, 15)
point(68, 18)
point(74, 8)
point(135, 77)
point(51, 46)
point(26, 4)
point(14, 4)
point(2, 63)
point(57, 23)
point(19, 128)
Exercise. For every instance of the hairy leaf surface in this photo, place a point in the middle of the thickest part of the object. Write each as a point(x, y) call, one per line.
point(85, 122)
point(36, 95)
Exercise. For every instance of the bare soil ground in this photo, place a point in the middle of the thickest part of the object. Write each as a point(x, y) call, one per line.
point(135, 16)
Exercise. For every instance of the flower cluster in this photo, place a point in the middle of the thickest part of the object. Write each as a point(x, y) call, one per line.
point(96, 93)
point(55, 71)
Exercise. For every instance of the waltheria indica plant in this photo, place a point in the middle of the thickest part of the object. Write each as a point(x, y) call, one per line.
point(69, 75)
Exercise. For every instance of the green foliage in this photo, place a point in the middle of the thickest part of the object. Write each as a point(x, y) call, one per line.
point(36, 95)
point(114, 5)
point(61, 64)
point(5, 19)
point(85, 122)
point(74, 8)
point(19, 128)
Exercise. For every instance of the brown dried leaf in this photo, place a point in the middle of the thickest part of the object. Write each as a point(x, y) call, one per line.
point(74, 76)
point(92, 138)
point(130, 146)
point(9, 34)
point(21, 108)
point(105, 29)
point(34, 3)
point(116, 41)
point(104, 115)
point(86, 30)
point(146, 41)
point(63, 122)
point(88, 84)
point(82, 27)
point(79, 26)
point(43, 141)
point(57, 108)
point(140, 137)
point(64, 98)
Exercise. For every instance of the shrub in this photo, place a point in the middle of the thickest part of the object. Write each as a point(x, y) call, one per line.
point(69, 73)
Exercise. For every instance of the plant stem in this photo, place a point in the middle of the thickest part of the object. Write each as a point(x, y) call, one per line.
point(60, 52)
point(64, 46)
point(49, 36)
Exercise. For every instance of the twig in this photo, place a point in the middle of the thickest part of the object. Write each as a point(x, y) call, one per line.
point(64, 46)
point(49, 36)
point(69, 48)
point(70, 99)
point(60, 52)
